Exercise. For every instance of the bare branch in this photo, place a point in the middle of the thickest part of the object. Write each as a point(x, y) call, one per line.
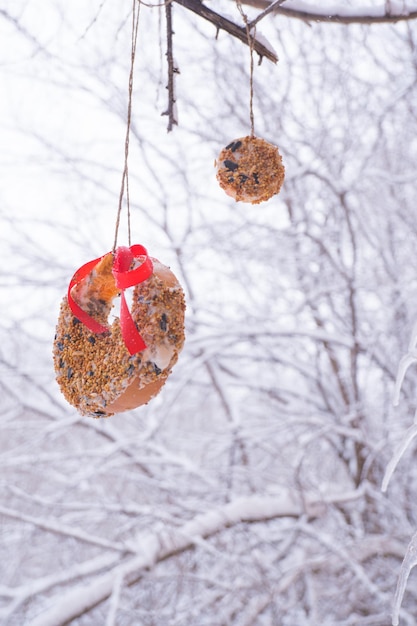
point(266, 12)
point(222, 23)
point(172, 69)
point(371, 17)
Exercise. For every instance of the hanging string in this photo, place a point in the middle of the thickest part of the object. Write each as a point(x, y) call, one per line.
point(251, 41)
point(125, 175)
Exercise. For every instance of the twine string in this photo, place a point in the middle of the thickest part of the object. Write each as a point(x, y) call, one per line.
point(125, 175)
point(251, 43)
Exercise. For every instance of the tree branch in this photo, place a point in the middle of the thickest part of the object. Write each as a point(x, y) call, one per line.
point(269, 9)
point(62, 529)
point(222, 23)
point(172, 69)
point(372, 15)
point(157, 547)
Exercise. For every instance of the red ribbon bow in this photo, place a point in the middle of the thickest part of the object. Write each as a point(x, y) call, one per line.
point(124, 277)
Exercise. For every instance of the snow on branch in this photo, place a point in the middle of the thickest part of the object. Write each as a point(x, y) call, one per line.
point(409, 562)
point(408, 359)
point(340, 12)
point(61, 529)
point(397, 456)
point(34, 587)
point(156, 547)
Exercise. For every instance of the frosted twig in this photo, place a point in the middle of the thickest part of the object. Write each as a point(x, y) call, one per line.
point(413, 338)
point(410, 560)
point(410, 434)
point(32, 588)
point(114, 600)
point(406, 361)
point(338, 550)
point(62, 529)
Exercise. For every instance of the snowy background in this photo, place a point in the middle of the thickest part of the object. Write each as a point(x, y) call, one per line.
point(249, 491)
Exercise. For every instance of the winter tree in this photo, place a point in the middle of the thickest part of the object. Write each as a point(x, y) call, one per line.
point(248, 492)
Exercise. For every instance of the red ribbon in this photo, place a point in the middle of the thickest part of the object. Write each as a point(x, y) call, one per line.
point(124, 277)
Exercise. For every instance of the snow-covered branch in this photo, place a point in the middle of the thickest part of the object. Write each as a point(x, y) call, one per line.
point(157, 547)
point(62, 529)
